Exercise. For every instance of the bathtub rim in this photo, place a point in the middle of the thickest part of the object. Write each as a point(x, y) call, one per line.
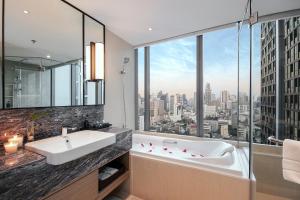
point(240, 157)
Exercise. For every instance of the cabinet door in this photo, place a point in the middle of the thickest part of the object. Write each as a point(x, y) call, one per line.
point(85, 188)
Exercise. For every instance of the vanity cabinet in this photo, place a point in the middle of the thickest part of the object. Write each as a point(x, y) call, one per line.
point(87, 187)
point(84, 188)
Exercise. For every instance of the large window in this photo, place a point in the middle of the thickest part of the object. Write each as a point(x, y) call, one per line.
point(220, 83)
point(141, 87)
point(233, 105)
point(173, 86)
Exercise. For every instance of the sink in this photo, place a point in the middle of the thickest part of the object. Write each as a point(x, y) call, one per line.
point(58, 151)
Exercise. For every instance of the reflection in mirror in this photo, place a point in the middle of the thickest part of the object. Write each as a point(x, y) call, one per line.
point(43, 54)
point(94, 62)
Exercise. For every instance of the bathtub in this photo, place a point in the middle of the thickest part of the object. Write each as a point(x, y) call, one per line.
point(217, 156)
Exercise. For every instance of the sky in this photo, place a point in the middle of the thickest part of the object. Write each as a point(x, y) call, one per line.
point(173, 63)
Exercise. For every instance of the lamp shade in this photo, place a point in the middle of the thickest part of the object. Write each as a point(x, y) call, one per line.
point(96, 61)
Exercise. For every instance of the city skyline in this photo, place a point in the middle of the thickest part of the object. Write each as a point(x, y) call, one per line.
point(173, 63)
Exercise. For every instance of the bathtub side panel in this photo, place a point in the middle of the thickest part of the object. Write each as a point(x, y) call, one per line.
point(153, 179)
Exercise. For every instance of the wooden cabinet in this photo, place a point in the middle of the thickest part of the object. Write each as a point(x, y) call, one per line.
point(85, 188)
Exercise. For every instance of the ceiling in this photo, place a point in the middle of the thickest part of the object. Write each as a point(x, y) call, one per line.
point(48, 30)
point(130, 19)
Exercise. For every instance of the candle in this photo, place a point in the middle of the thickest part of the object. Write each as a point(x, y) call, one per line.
point(16, 139)
point(11, 147)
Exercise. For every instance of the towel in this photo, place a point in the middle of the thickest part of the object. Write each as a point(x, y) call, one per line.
point(291, 160)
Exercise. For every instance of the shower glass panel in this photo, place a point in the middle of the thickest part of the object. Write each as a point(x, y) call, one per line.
point(62, 86)
point(276, 78)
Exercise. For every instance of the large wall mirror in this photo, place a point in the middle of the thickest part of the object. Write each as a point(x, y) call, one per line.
point(45, 59)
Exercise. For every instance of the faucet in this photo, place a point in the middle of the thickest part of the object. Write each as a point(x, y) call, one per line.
point(64, 132)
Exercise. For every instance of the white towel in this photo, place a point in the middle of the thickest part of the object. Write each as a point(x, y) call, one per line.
point(291, 160)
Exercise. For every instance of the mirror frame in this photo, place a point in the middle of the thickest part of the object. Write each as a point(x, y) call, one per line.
point(2, 67)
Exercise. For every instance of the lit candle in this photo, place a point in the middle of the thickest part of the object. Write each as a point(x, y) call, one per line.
point(11, 147)
point(16, 139)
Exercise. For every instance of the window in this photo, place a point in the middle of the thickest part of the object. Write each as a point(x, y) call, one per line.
point(173, 87)
point(226, 85)
point(141, 86)
point(220, 83)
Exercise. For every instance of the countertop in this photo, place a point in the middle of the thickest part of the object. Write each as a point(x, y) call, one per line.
point(21, 158)
point(30, 177)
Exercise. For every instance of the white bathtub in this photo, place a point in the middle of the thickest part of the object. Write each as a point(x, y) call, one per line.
point(218, 156)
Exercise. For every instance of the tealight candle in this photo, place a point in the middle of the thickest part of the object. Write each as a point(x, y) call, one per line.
point(11, 147)
point(16, 139)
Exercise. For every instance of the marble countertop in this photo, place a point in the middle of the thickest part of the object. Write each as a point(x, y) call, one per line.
point(32, 178)
point(22, 157)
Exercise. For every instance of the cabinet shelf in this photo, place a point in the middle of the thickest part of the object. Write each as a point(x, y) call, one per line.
point(113, 185)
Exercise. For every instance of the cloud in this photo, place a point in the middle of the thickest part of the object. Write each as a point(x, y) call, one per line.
point(173, 63)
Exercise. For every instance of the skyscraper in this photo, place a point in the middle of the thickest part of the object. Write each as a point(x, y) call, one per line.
point(280, 70)
point(224, 99)
point(207, 94)
point(292, 78)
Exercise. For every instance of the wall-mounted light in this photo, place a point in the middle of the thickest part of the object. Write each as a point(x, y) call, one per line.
point(26, 12)
point(96, 61)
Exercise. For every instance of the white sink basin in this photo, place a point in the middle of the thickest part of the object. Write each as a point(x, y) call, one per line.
point(81, 143)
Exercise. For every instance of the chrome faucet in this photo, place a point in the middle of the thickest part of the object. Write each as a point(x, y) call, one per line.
point(64, 132)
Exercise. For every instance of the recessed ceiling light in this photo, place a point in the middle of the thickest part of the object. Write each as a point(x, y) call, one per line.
point(149, 29)
point(26, 12)
point(48, 56)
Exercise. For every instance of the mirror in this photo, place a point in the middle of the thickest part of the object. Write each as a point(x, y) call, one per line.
point(43, 62)
point(94, 89)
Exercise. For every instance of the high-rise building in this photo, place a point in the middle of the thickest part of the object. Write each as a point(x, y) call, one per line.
point(157, 111)
point(280, 82)
point(224, 96)
point(207, 95)
point(172, 105)
point(292, 78)
point(268, 73)
point(224, 99)
point(184, 99)
point(165, 98)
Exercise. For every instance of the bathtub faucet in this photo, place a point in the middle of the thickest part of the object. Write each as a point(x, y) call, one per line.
point(169, 141)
